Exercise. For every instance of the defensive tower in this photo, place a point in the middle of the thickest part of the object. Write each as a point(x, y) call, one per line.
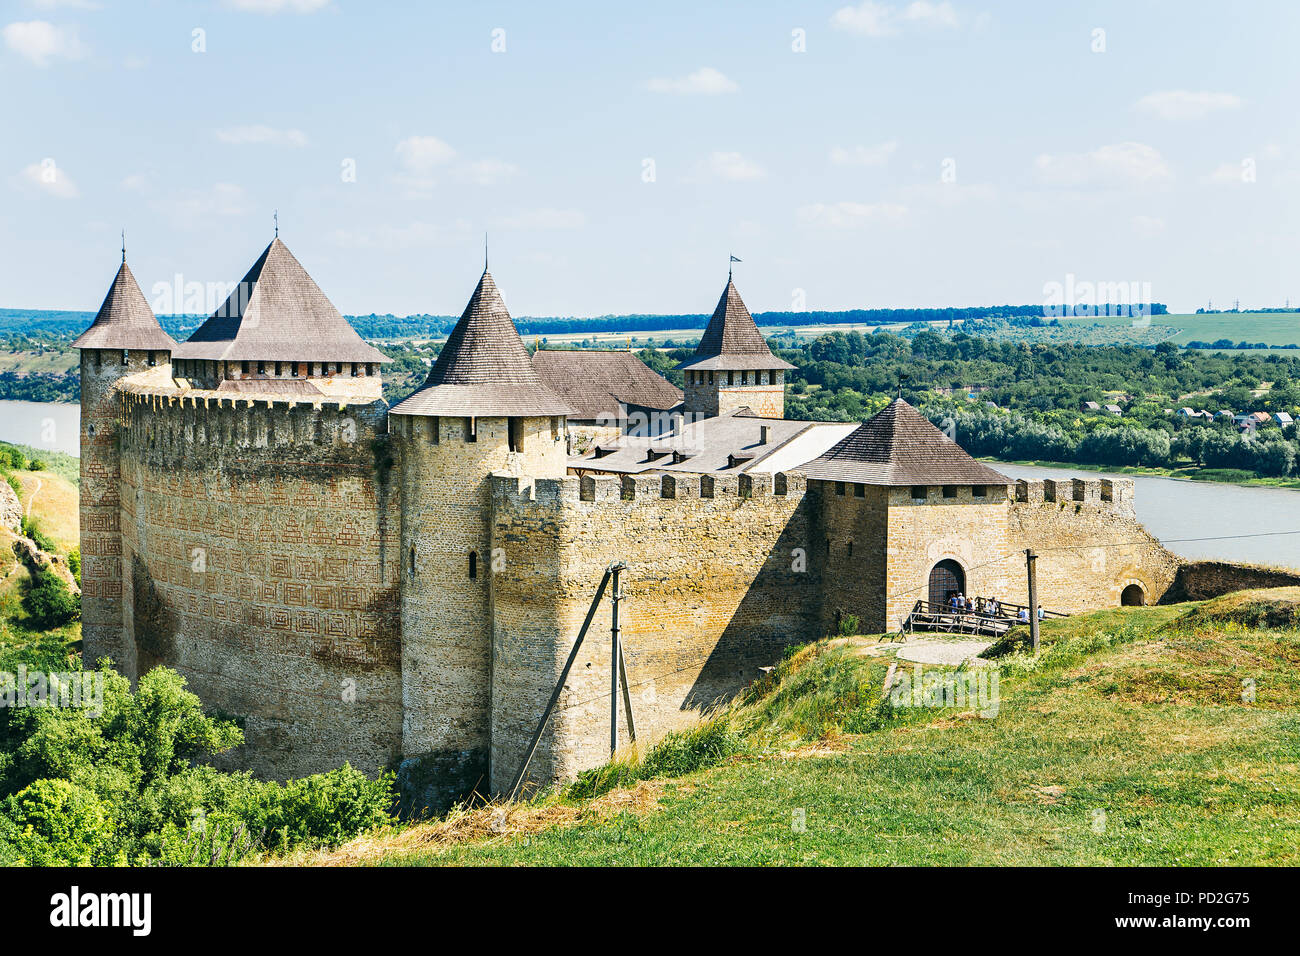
point(125, 339)
point(481, 411)
point(733, 367)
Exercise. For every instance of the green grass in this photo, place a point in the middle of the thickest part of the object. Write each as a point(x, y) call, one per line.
point(1271, 328)
point(1134, 713)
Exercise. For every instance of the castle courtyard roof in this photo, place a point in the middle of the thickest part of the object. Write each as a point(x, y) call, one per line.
point(277, 313)
point(125, 320)
point(598, 382)
point(733, 442)
point(484, 369)
point(898, 446)
point(731, 340)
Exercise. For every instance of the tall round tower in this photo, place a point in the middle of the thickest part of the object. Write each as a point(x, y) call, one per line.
point(732, 366)
point(124, 340)
point(481, 411)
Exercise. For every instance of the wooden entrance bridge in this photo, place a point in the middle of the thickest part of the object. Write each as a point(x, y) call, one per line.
point(932, 616)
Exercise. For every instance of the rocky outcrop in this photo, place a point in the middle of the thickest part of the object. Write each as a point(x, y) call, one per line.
point(11, 509)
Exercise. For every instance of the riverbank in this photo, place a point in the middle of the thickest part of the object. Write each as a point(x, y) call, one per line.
point(1222, 476)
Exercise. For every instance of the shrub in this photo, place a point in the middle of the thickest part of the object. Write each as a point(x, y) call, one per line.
point(74, 564)
point(850, 624)
point(48, 601)
point(15, 484)
point(57, 823)
point(36, 464)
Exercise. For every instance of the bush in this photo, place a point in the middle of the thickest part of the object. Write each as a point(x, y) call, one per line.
point(74, 564)
point(31, 528)
point(36, 464)
point(850, 624)
point(15, 484)
point(57, 823)
point(48, 601)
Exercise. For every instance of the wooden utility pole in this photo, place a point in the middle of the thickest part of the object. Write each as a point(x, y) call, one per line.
point(1031, 561)
point(615, 665)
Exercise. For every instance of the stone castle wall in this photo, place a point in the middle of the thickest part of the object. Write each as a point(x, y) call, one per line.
point(1089, 542)
point(713, 591)
point(261, 561)
point(446, 615)
point(712, 398)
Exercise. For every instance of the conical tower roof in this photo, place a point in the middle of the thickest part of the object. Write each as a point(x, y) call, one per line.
point(898, 446)
point(732, 340)
point(484, 368)
point(277, 313)
point(125, 320)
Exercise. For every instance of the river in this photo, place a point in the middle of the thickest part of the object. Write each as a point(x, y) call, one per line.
point(1175, 510)
point(47, 425)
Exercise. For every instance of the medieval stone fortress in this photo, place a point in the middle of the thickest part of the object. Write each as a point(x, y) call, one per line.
point(399, 588)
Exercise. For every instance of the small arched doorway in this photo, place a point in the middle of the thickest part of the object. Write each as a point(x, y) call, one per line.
point(1133, 596)
point(946, 579)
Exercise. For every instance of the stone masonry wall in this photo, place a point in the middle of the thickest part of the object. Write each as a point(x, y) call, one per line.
point(446, 619)
point(1089, 542)
point(260, 551)
point(713, 591)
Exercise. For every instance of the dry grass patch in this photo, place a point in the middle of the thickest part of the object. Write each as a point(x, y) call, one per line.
point(490, 823)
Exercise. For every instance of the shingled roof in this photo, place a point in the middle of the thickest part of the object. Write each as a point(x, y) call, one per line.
point(277, 313)
point(483, 369)
point(597, 382)
point(732, 340)
point(899, 446)
point(125, 320)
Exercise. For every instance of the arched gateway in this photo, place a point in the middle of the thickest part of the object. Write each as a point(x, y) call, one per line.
point(946, 579)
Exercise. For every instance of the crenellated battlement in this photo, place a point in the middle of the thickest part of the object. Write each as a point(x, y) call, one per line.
point(516, 492)
point(158, 420)
point(1107, 494)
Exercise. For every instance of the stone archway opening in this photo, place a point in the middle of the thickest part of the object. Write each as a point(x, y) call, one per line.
point(946, 579)
point(1133, 596)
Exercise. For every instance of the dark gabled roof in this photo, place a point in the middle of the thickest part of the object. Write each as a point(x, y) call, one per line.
point(732, 340)
point(277, 313)
point(899, 446)
point(125, 320)
point(597, 382)
point(483, 369)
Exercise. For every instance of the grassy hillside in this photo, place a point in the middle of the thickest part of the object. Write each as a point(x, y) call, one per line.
point(1131, 740)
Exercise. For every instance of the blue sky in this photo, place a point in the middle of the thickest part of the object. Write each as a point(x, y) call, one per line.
point(911, 154)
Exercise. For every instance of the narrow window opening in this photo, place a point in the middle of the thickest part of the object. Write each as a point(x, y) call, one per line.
point(950, 491)
point(919, 492)
point(850, 549)
point(471, 429)
point(979, 491)
point(515, 427)
point(839, 487)
point(278, 370)
point(859, 491)
point(473, 565)
point(243, 368)
point(434, 430)
point(125, 358)
point(412, 562)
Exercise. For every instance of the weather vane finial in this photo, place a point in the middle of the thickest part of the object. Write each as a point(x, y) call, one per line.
point(732, 259)
point(124, 245)
point(485, 250)
point(276, 216)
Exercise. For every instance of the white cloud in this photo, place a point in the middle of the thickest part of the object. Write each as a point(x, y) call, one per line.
point(734, 167)
point(1119, 164)
point(1231, 174)
point(544, 218)
point(850, 215)
point(487, 172)
point(872, 19)
point(705, 80)
point(1148, 227)
point(1186, 104)
point(278, 6)
point(244, 135)
point(195, 207)
point(48, 178)
point(420, 154)
point(877, 155)
point(40, 42)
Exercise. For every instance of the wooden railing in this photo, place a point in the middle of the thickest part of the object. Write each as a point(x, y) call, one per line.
point(1008, 613)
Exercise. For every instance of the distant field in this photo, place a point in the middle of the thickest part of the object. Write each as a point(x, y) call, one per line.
point(1271, 328)
point(49, 361)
